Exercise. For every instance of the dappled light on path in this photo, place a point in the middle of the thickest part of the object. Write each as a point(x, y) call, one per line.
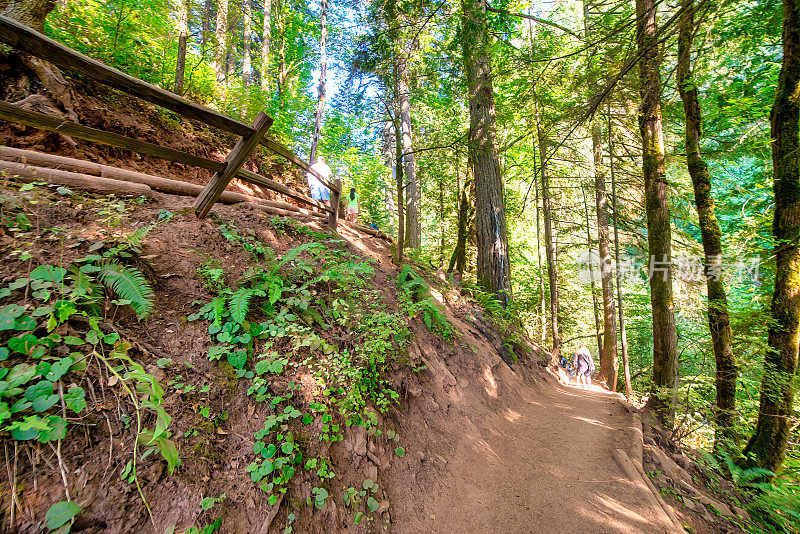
point(539, 461)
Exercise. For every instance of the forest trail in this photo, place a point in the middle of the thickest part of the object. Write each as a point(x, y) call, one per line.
point(544, 464)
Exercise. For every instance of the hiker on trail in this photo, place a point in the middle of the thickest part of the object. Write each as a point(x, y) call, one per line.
point(318, 190)
point(583, 364)
point(565, 364)
point(352, 205)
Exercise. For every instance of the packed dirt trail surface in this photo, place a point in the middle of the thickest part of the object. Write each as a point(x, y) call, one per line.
point(543, 464)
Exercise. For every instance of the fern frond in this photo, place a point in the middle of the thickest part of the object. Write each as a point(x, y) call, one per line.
point(240, 304)
point(132, 241)
point(754, 473)
point(129, 284)
point(296, 251)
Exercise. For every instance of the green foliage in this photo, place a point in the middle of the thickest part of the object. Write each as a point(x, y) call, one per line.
point(414, 295)
point(129, 284)
point(60, 514)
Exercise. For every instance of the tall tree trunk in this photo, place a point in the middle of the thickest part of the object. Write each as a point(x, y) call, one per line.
point(266, 73)
point(597, 324)
point(183, 37)
point(493, 267)
point(208, 8)
point(221, 57)
point(442, 220)
point(413, 227)
point(659, 233)
point(608, 358)
point(29, 12)
point(323, 70)
point(608, 352)
point(626, 369)
point(551, 251)
point(768, 444)
point(247, 64)
point(719, 322)
point(465, 212)
point(542, 298)
point(283, 71)
point(398, 136)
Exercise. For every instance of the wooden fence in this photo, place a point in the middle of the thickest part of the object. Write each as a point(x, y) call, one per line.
point(252, 135)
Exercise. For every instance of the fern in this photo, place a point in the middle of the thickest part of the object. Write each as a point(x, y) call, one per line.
point(240, 304)
point(296, 251)
point(130, 284)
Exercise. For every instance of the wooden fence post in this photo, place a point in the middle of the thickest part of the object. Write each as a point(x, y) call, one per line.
point(335, 196)
point(233, 163)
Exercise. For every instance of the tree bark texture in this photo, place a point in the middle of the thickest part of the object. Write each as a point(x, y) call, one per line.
point(608, 357)
point(247, 63)
point(465, 213)
point(598, 328)
point(719, 322)
point(221, 56)
point(767, 446)
point(206, 25)
point(29, 12)
point(659, 233)
point(551, 251)
point(398, 165)
point(608, 349)
point(183, 36)
point(493, 267)
point(413, 227)
point(626, 369)
point(323, 70)
point(266, 39)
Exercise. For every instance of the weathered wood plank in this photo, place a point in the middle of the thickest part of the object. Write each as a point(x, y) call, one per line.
point(281, 150)
point(257, 179)
point(12, 113)
point(333, 221)
point(27, 40)
point(233, 163)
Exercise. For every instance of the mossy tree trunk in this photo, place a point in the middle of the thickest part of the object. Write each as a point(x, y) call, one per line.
point(29, 12)
point(767, 447)
point(719, 321)
point(321, 92)
point(493, 266)
point(659, 233)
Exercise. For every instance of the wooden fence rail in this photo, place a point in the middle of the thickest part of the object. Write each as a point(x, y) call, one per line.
point(32, 42)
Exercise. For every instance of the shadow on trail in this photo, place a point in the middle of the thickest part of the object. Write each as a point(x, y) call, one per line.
point(542, 463)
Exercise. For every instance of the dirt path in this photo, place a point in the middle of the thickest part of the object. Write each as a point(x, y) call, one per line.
point(543, 463)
